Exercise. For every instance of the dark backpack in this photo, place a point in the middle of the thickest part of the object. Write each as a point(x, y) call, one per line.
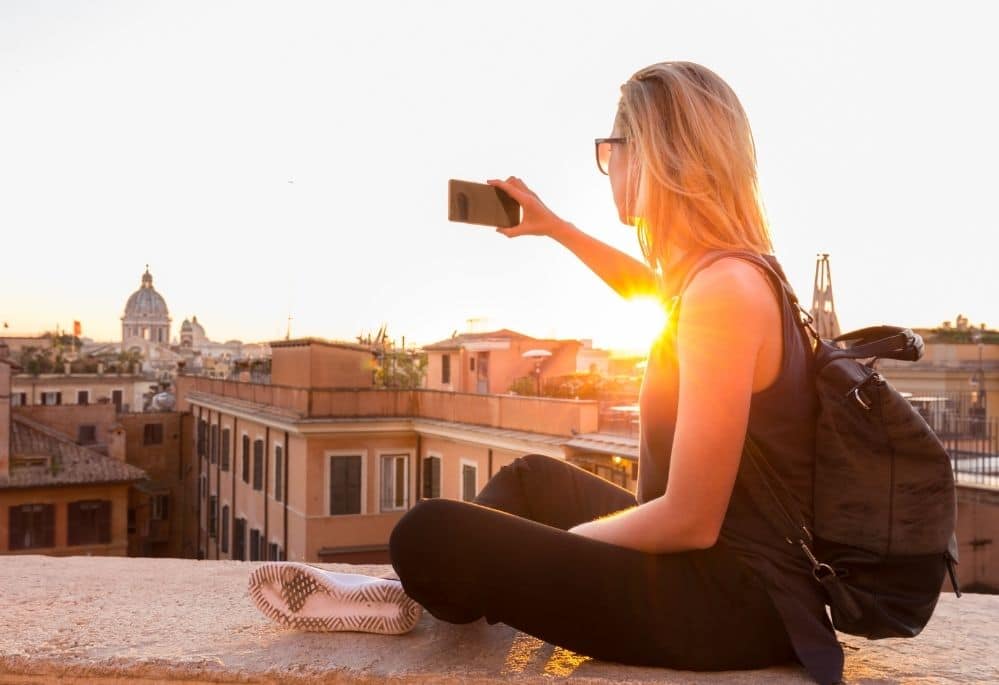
point(884, 500)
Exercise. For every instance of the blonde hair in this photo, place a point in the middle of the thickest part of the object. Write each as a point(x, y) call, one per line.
point(692, 178)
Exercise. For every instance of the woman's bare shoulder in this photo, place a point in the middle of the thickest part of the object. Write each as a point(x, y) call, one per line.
point(732, 277)
point(730, 295)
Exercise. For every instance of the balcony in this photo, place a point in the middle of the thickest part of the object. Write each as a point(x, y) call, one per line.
point(511, 412)
point(140, 620)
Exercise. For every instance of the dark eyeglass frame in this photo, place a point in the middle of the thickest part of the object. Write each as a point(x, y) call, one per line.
point(597, 142)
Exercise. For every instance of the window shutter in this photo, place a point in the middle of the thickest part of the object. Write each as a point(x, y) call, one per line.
point(278, 473)
point(246, 458)
point(16, 535)
point(254, 544)
point(468, 482)
point(104, 521)
point(225, 529)
point(73, 523)
point(48, 526)
point(226, 444)
point(258, 464)
point(354, 485)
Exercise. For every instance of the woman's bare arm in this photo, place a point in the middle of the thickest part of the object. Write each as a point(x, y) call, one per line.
point(719, 336)
point(622, 272)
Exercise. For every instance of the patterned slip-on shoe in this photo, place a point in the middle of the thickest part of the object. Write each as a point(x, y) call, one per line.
point(306, 597)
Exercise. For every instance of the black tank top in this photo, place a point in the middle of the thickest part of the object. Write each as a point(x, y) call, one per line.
point(782, 422)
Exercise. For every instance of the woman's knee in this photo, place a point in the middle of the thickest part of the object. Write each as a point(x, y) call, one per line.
point(417, 530)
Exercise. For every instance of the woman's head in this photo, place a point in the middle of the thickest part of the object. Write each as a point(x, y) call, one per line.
point(686, 178)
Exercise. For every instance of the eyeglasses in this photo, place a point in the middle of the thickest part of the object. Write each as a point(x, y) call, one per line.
point(603, 150)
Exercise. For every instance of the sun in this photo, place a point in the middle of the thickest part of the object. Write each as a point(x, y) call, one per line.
point(632, 325)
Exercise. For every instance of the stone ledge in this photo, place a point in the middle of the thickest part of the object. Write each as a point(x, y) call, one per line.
point(118, 619)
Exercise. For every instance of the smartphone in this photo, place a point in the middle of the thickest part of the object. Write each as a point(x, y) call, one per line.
point(481, 203)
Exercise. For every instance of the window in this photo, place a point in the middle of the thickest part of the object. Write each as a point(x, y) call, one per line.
point(274, 552)
point(213, 444)
point(159, 507)
point(203, 486)
point(258, 464)
point(83, 397)
point(431, 477)
point(278, 472)
point(213, 516)
point(254, 544)
point(239, 540)
point(225, 449)
point(468, 477)
point(246, 458)
point(19, 399)
point(345, 484)
point(89, 522)
point(225, 529)
point(116, 399)
point(51, 398)
point(152, 434)
point(86, 434)
point(471, 363)
point(31, 526)
point(394, 481)
point(132, 527)
point(446, 368)
point(202, 429)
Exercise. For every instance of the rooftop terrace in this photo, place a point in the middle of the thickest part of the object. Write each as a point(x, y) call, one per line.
point(141, 620)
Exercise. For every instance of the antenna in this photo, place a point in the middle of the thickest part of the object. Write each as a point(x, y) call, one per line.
point(287, 335)
point(823, 309)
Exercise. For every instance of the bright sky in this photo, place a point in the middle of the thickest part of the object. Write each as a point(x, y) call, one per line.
point(167, 133)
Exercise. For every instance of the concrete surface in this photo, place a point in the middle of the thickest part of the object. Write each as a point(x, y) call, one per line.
point(117, 620)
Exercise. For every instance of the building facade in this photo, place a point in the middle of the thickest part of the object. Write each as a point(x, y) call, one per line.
point(489, 363)
point(315, 467)
point(126, 392)
point(57, 497)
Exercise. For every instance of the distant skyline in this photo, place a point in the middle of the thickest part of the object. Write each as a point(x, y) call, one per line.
point(268, 159)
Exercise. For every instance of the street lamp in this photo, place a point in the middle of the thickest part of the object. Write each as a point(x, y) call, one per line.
point(538, 356)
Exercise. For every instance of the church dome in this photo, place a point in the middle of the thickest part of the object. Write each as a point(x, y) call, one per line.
point(146, 303)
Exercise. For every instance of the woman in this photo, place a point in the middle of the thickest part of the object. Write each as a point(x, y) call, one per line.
point(689, 573)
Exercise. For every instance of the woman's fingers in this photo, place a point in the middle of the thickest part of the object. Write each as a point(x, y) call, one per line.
point(536, 219)
point(513, 190)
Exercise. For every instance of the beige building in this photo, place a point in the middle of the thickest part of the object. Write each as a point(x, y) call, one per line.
point(126, 392)
point(57, 497)
point(489, 363)
point(952, 382)
point(319, 466)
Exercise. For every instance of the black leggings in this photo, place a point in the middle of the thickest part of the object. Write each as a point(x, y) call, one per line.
point(508, 557)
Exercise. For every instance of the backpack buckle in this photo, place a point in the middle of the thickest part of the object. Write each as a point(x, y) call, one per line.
point(860, 400)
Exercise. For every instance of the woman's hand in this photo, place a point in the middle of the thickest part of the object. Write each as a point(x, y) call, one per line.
point(537, 219)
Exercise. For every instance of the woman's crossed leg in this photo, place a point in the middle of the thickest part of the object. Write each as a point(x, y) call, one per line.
point(508, 557)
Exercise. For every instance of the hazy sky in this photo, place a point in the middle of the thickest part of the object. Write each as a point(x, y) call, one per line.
point(167, 133)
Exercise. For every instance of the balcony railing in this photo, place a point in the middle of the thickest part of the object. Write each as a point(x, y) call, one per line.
point(512, 412)
point(973, 446)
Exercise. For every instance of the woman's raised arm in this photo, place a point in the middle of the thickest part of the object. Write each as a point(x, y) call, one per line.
point(626, 275)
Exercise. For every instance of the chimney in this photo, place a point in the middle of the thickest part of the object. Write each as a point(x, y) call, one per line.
point(116, 442)
point(100, 368)
point(65, 368)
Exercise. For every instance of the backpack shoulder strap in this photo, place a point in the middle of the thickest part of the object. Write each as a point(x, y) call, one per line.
point(778, 278)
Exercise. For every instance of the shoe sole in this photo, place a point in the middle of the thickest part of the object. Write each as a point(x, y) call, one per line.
point(375, 607)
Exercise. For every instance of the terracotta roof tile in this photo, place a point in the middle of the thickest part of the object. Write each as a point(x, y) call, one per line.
point(63, 462)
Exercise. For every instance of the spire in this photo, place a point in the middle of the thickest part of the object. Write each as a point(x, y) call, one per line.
point(147, 278)
point(823, 309)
